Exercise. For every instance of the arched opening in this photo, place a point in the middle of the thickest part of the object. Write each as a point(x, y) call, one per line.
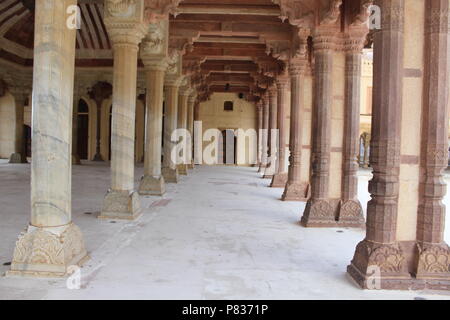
point(227, 147)
point(83, 129)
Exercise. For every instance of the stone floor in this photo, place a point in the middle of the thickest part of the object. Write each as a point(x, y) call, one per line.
point(221, 233)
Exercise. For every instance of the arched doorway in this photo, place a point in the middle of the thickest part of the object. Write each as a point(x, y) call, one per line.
point(227, 147)
point(83, 129)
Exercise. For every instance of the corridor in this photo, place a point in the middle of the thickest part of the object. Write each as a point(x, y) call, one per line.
point(220, 233)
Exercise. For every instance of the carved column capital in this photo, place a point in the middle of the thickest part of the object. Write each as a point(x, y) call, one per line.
point(156, 10)
point(124, 21)
point(155, 46)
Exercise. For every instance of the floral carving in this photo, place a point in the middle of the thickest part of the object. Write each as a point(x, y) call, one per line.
point(121, 8)
point(434, 259)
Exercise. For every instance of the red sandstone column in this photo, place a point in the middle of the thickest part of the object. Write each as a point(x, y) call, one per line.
point(273, 134)
point(319, 211)
point(350, 210)
point(379, 251)
point(264, 139)
point(433, 254)
point(295, 190)
point(280, 178)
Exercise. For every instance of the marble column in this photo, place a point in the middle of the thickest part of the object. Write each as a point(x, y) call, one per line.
point(20, 97)
point(350, 210)
point(52, 242)
point(295, 189)
point(121, 201)
point(170, 170)
point(380, 251)
point(76, 100)
point(152, 182)
point(320, 212)
point(280, 178)
point(259, 110)
point(265, 136)
point(273, 134)
point(190, 120)
point(182, 124)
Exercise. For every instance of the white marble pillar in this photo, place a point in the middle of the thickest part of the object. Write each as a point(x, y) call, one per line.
point(182, 124)
point(190, 121)
point(152, 182)
point(20, 97)
point(121, 201)
point(51, 243)
point(273, 134)
point(170, 170)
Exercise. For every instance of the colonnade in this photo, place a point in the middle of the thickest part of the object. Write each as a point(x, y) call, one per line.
point(405, 217)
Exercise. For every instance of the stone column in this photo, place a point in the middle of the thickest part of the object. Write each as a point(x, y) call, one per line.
point(433, 254)
point(51, 243)
point(182, 124)
point(295, 189)
point(280, 178)
point(20, 97)
point(152, 182)
point(190, 121)
point(273, 135)
point(121, 201)
point(259, 110)
point(319, 211)
point(380, 252)
point(170, 170)
point(76, 100)
point(350, 210)
point(265, 136)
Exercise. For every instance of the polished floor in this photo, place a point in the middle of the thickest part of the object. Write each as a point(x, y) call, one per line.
point(220, 233)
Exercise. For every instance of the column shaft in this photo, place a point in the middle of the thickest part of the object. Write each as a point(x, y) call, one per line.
point(280, 178)
point(52, 242)
point(152, 182)
point(182, 124)
point(272, 135)
point(380, 249)
point(319, 212)
point(295, 190)
point(19, 155)
point(350, 210)
point(170, 171)
point(122, 202)
point(265, 134)
point(431, 247)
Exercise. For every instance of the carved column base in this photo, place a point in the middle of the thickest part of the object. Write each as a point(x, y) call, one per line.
point(182, 169)
point(279, 180)
point(385, 266)
point(170, 175)
point(351, 214)
point(18, 158)
point(48, 252)
point(76, 159)
point(433, 261)
point(380, 266)
point(320, 213)
point(191, 166)
point(296, 192)
point(152, 186)
point(331, 213)
point(123, 205)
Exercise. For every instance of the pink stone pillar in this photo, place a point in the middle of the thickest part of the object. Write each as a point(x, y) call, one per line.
point(295, 190)
point(319, 211)
point(350, 210)
point(259, 110)
point(379, 251)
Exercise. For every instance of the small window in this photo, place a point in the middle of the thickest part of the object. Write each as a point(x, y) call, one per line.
point(228, 106)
